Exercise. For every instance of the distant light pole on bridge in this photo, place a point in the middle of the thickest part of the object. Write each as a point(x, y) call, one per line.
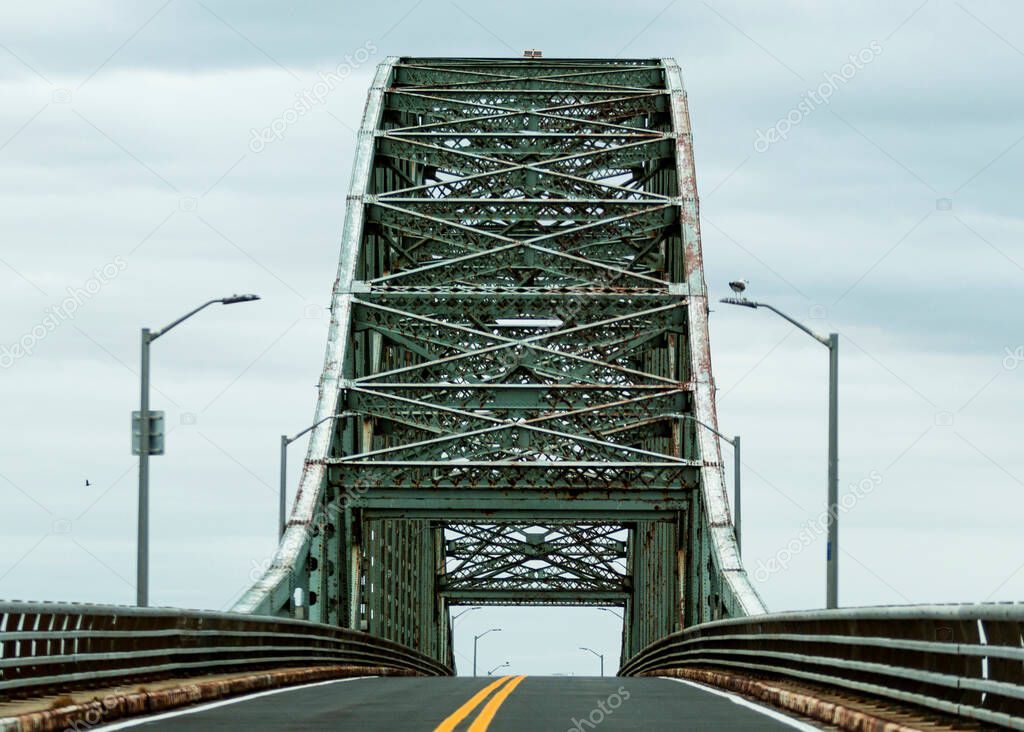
point(458, 615)
point(144, 448)
point(477, 638)
point(282, 497)
point(832, 344)
point(500, 665)
point(599, 655)
point(736, 462)
point(609, 610)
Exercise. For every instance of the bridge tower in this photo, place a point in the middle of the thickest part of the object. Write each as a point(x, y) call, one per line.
point(518, 333)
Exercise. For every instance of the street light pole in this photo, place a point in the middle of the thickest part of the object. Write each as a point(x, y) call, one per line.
point(142, 541)
point(282, 487)
point(832, 344)
point(832, 567)
point(737, 506)
point(282, 492)
point(599, 655)
point(142, 557)
point(458, 615)
point(477, 638)
point(500, 665)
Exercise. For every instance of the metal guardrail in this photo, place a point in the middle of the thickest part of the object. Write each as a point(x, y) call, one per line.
point(961, 660)
point(60, 646)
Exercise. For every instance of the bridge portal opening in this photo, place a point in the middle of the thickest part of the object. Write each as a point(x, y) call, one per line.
point(536, 640)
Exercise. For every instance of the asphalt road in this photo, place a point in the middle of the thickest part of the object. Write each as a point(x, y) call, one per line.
point(503, 704)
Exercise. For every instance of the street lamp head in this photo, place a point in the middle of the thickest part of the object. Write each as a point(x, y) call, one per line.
point(232, 299)
point(741, 301)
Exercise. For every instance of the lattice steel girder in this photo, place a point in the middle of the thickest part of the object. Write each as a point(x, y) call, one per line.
point(484, 474)
point(519, 332)
point(596, 598)
point(600, 233)
point(594, 163)
point(533, 557)
point(521, 505)
point(437, 109)
point(449, 77)
point(524, 182)
point(499, 399)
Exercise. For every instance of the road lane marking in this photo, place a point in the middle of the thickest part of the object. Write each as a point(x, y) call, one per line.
point(744, 702)
point(483, 720)
point(224, 702)
point(466, 709)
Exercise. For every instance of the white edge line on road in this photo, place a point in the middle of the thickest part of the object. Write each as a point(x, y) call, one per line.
point(744, 702)
point(224, 702)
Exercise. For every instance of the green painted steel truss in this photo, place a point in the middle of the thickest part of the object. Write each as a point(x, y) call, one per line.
point(519, 331)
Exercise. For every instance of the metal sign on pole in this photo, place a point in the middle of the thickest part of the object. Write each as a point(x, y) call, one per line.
point(155, 432)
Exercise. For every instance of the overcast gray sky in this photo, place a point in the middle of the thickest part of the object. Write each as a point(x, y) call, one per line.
point(888, 212)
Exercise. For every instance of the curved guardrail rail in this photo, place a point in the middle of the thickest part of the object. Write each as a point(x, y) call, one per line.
point(963, 660)
point(63, 646)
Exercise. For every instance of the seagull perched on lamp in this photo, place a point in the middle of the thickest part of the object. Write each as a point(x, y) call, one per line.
point(738, 286)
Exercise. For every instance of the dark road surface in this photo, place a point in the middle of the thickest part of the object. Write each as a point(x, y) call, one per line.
point(503, 704)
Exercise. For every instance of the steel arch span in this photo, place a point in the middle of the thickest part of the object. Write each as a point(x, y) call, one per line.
point(518, 333)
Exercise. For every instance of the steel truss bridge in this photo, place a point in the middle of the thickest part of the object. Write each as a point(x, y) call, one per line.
point(519, 336)
point(516, 367)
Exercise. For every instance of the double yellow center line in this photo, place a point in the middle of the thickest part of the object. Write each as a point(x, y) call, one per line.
point(505, 686)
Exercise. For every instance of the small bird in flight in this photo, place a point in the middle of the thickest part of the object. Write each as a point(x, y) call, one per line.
point(738, 286)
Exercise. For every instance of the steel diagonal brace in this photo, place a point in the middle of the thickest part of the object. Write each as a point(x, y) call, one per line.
point(478, 118)
point(441, 149)
point(598, 152)
point(596, 123)
point(529, 424)
point(535, 167)
point(473, 86)
point(435, 427)
point(515, 558)
point(458, 102)
point(617, 271)
point(510, 342)
point(602, 222)
point(514, 552)
point(464, 72)
point(589, 263)
point(373, 379)
point(538, 76)
point(591, 72)
point(547, 114)
point(649, 93)
point(592, 153)
point(428, 406)
point(610, 446)
point(625, 345)
point(442, 263)
point(443, 222)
